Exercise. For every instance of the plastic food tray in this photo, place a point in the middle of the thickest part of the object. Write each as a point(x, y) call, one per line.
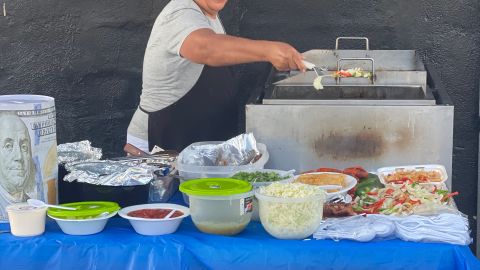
point(188, 172)
point(382, 172)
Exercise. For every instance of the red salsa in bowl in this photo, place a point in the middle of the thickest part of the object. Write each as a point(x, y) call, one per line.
point(158, 213)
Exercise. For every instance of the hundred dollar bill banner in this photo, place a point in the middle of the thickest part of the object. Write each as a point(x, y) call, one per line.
point(28, 150)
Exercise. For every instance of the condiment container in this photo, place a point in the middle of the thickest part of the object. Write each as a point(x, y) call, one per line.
point(89, 218)
point(219, 205)
point(154, 226)
point(288, 176)
point(26, 220)
point(188, 172)
point(291, 218)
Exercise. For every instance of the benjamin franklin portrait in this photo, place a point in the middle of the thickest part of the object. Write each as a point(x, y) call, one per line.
point(17, 169)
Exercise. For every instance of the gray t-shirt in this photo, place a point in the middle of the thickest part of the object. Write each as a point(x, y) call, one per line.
point(167, 76)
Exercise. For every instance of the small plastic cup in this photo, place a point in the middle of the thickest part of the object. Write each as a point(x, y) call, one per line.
point(26, 220)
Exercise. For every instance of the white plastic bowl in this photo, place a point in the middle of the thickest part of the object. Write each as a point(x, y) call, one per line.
point(290, 218)
point(151, 226)
point(83, 226)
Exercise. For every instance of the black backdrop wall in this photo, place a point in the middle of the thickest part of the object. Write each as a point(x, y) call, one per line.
point(88, 56)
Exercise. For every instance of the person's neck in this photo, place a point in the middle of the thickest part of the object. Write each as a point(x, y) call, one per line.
point(208, 12)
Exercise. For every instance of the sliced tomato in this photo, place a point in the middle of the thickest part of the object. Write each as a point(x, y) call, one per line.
point(376, 206)
point(344, 73)
point(449, 195)
point(414, 201)
point(400, 200)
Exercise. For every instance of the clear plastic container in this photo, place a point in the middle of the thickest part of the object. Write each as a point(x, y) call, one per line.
point(290, 177)
point(188, 172)
point(291, 218)
point(224, 215)
point(219, 205)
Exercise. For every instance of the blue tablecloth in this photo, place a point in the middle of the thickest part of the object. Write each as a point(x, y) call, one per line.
point(119, 247)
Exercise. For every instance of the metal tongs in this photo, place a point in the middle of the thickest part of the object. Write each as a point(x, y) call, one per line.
point(317, 82)
point(312, 66)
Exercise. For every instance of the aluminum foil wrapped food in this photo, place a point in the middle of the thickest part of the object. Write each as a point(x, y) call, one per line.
point(160, 161)
point(77, 151)
point(240, 150)
point(111, 173)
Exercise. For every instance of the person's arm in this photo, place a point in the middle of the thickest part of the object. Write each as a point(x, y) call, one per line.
point(204, 46)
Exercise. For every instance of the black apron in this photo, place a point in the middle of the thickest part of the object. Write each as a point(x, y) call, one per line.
point(208, 112)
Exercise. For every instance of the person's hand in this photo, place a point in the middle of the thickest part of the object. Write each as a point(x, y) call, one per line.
point(284, 57)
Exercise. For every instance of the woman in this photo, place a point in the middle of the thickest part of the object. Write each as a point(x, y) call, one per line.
point(188, 89)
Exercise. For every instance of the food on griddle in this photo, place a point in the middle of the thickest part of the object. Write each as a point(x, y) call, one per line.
point(353, 72)
point(317, 83)
point(339, 209)
point(401, 176)
point(349, 73)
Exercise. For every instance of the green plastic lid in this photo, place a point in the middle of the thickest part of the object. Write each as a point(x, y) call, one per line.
point(84, 210)
point(215, 187)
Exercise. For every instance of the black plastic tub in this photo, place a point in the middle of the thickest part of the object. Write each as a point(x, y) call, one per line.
point(77, 192)
point(123, 195)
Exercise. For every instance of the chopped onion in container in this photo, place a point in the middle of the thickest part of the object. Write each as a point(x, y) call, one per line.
point(290, 210)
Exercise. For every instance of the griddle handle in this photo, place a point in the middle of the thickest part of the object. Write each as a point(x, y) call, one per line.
point(372, 79)
point(367, 46)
